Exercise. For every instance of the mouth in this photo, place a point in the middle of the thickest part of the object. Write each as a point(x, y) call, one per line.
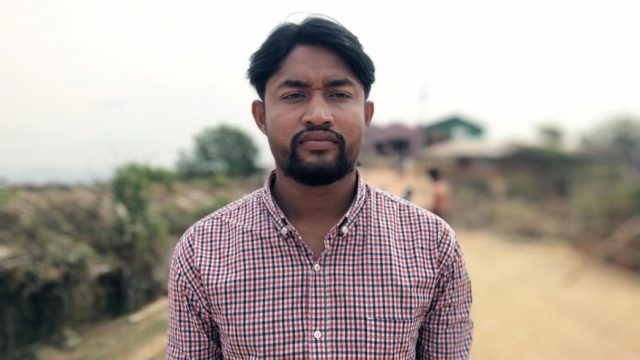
point(317, 140)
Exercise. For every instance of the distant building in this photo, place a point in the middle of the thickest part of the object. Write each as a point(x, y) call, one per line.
point(401, 141)
point(449, 128)
point(459, 141)
point(395, 140)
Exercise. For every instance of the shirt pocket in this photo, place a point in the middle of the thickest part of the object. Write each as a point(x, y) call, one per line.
point(392, 337)
point(392, 329)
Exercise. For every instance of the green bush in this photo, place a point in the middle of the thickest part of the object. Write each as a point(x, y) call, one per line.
point(608, 186)
point(605, 197)
point(221, 150)
point(140, 235)
point(178, 220)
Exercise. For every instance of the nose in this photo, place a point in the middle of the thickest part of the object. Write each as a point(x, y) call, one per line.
point(317, 113)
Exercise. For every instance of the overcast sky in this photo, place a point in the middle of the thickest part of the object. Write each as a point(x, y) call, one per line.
point(86, 85)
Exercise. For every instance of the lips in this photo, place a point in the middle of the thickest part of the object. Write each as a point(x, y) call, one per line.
point(308, 136)
point(318, 140)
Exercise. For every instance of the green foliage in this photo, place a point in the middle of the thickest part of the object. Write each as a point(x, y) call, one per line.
point(130, 189)
point(51, 275)
point(617, 139)
point(64, 252)
point(541, 158)
point(605, 196)
point(5, 194)
point(80, 254)
point(6, 217)
point(139, 233)
point(219, 180)
point(178, 220)
point(608, 185)
point(130, 186)
point(538, 174)
point(218, 202)
point(221, 150)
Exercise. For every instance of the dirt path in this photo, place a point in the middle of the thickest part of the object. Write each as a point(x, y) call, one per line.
point(526, 306)
point(139, 336)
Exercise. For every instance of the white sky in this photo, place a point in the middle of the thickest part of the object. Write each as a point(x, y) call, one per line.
point(89, 85)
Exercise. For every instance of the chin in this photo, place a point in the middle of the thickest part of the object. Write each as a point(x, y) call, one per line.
point(318, 173)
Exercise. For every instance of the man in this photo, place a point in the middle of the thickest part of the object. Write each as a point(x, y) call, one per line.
point(317, 264)
point(439, 192)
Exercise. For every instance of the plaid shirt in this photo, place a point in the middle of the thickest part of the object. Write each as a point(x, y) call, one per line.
point(391, 284)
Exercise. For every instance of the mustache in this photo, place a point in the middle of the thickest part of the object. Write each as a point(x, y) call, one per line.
point(339, 138)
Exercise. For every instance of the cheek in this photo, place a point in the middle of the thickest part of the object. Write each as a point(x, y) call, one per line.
point(355, 130)
point(278, 120)
point(279, 134)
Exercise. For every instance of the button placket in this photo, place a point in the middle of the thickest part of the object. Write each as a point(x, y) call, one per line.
point(317, 310)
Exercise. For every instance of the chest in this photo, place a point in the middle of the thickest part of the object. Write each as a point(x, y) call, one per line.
point(361, 294)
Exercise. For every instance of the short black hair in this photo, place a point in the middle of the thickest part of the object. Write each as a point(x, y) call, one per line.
point(315, 31)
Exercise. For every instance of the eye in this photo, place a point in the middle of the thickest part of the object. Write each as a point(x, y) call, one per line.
point(340, 95)
point(293, 96)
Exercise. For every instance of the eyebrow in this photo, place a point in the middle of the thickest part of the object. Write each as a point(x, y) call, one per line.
point(339, 82)
point(294, 84)
point(304, 84)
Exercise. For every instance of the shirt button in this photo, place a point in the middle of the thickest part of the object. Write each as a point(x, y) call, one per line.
point(344, 230)
point(284, 230)
point(316, 267)
point(317, 334)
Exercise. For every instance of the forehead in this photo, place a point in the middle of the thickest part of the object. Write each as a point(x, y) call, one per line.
point(312, 64)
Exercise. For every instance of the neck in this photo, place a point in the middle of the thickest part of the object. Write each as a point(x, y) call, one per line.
point(323, 204)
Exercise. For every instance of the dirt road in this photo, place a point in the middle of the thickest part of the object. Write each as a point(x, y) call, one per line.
point(543, 301)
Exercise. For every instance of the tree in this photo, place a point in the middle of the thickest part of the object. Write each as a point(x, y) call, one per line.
point(220, 150)
point(616, 140)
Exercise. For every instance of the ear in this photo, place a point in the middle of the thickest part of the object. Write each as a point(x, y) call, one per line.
point(368, 113)
point(258, 111)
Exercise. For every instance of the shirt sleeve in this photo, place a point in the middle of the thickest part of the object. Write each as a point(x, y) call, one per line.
point(446, 332)
point(192, 333)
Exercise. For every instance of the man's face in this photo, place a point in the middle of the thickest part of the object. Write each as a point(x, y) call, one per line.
point(314, 115)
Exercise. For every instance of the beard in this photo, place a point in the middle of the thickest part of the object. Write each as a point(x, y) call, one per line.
point(321, 171)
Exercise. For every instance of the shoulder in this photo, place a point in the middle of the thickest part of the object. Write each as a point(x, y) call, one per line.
point(412, 223)
point(235, 217)
point(393, 207)
point(238, 211)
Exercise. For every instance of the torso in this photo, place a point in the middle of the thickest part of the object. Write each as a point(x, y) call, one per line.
point(365, 296)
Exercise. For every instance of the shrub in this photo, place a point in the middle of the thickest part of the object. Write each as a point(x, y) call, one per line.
point(221, 150)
